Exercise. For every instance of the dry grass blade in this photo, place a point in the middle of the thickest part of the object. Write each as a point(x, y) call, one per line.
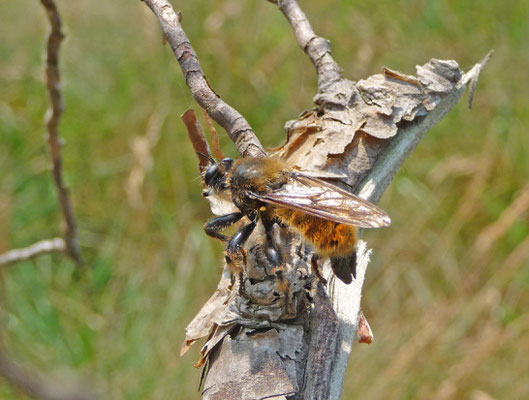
point(142, 147)
point(494, 231)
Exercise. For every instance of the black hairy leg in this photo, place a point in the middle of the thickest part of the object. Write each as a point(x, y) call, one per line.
point(235, 246)
point(215, 225)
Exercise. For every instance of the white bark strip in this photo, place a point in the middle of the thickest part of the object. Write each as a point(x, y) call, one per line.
point(42, 247)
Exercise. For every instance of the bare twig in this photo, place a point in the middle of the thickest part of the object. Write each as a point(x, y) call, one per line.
point(316, 47)
point(70, 243)
point(42, 247)
point(226, 116)
point(53, 82)
point(34, 384)
point(29, 380)
point(474, 74)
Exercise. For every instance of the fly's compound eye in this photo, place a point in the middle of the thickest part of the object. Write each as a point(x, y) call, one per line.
point(227, 163)
point(211, 174)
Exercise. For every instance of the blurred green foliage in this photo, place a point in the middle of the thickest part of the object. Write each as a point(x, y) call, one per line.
point(447, 292)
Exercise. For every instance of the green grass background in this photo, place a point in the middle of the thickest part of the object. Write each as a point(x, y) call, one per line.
point(447, 291)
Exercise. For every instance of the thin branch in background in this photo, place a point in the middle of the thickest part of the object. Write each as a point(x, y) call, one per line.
point(27, 379)
point(226, 116)
point(42, 247)
point(70, 243)
point(53, 82)
point(317, 48)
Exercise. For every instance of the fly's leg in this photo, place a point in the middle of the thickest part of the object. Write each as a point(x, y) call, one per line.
point(275, 260)
point(316, 268)
point(282, 283)
point(236, 254)
point(268, 224)
point(235, 246)
point(215, 225)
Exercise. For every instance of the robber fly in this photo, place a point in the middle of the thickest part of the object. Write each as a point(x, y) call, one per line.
point(265, 189)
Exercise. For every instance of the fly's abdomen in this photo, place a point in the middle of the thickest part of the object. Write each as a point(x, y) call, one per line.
point(331, 239)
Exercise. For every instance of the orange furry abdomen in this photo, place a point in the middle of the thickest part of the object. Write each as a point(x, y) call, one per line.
point(331, 239)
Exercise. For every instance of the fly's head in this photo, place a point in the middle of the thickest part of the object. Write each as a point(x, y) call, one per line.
point(216, 177)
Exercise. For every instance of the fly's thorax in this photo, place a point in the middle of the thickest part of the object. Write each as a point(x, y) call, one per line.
point(244, 202)
point(258, 176)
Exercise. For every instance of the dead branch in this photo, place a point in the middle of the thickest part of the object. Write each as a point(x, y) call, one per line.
point(360, 134)
point(53, 82)
point(70, 244)
point(42, 247)
point(226, 116)
point(27, 379)
point(346, 300)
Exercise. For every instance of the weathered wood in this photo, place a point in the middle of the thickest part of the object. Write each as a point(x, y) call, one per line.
point(267, 340)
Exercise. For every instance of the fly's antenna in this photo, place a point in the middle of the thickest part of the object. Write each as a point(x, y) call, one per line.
point(209, 158)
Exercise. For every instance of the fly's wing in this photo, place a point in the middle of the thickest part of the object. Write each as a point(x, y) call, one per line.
point(316, 197)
